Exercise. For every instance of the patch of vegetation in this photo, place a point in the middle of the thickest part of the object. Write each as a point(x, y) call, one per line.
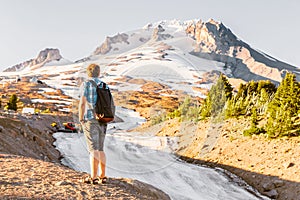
point(280, 106)
point(46, 111)
point(12, 103)
point(259, 100)
point(188, 110)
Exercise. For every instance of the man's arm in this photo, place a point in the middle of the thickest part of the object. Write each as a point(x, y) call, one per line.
point(82, 105)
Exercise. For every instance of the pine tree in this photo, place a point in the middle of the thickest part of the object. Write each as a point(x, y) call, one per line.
point(12, 103)
point(284, 108)
point(250, 95)
point(216, 98)
point(253, 127)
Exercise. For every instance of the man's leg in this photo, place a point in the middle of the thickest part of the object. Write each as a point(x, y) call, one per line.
point(94, 163)
point(102, 163)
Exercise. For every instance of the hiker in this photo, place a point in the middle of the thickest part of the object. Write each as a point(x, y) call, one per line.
point(94, 131)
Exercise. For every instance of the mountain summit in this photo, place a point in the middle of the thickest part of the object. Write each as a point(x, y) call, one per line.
point(210, 40)
point(172, 51)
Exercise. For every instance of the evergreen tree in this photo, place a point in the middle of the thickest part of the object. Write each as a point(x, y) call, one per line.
point(253, 127)
point(12, 103)
point(188, 110)
point(284, 108)
point(250, 95)
point(216, 98)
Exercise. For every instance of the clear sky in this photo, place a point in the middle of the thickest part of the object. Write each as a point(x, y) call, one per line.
point(77, 27)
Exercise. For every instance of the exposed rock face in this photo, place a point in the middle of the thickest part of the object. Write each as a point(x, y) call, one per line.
point(212, 36)
point(158, 34)
point(107, 44)
point(216, 42)
point(44, 57)
point(47, 55)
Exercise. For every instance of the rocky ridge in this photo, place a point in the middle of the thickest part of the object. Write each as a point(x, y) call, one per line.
point(107, 44)
point(45, 56)
point(217, 42)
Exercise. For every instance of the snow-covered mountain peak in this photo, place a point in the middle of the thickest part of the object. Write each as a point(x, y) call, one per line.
point(172, 52)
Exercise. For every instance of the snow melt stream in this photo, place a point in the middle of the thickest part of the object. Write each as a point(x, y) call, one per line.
point(149, 159)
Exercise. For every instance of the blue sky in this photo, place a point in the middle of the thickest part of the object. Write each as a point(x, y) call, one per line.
point(77, 27)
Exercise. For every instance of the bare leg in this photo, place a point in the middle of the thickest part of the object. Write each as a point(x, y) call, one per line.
point(94, 163)
point(102, 163)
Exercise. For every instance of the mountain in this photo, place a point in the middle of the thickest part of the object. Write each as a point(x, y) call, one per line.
point(209, 40)
point(215, 41)
point(184, 56)
point(46, 56)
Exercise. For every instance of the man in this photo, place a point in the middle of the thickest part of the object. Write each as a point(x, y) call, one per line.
point(94, 131)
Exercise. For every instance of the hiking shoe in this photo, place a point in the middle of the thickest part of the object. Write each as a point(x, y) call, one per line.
point(89, 180)
point(102, 180)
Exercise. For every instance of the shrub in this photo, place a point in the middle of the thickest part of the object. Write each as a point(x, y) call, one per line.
point(12, 103)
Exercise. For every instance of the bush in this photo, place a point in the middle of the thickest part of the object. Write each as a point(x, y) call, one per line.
point(12, 103)
point(157, 119)
point(189, 110)
point(46, 111)
point(253, 131)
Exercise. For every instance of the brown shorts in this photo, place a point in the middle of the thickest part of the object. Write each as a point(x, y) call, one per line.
point(94, 133)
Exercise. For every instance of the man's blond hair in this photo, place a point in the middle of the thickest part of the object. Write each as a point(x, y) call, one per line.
point(93, 70)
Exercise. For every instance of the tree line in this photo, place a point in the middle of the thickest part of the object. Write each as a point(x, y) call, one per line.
point(259, 100)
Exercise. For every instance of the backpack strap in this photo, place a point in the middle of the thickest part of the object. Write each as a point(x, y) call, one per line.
point(104, 85)
point(93, 83)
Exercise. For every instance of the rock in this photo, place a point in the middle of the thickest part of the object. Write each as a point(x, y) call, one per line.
point(61, 183)
point(278, 183)
point(268, 186)
point(159, 35)
point(288, 165)
point(107, 45)
point(272, 194)
point(1, 129)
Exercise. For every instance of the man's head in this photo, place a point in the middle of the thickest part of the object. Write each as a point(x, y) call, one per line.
point(93, 70)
